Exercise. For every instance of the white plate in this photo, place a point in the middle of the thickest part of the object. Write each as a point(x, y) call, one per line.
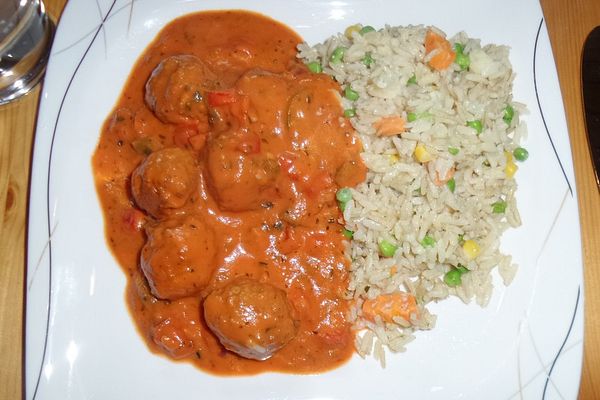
point(81, 342)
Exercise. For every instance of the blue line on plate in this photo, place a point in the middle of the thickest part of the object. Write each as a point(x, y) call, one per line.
point(562, 346)
point(537, 96)
point(48, 178)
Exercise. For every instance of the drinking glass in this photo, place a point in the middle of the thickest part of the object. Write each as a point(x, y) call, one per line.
point(25, 38)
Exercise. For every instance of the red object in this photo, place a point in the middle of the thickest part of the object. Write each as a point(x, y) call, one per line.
point(221, 97)
point(134, 219)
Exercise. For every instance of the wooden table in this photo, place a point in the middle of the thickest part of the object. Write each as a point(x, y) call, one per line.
point(568, 22)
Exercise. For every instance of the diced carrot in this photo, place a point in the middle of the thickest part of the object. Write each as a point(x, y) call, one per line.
point(221, 97)
point(388, 306)
point(444, 55)
point(389, 126)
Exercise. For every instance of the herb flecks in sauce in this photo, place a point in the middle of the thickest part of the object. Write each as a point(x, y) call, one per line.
point(217, 172)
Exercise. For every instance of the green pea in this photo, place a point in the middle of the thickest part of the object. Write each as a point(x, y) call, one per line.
point(427, 241)
point(368, 59)
point(348, 234)
point(350, 94)
point(499, 207)
point(453, 150)
point(315, 67)
point(411, 117)
point(451, 184)
point(343, 195)
point(387, 249)
point(463, 61)
point(520, 154)
point(337, 55)
point(476, 124)
point(412, 80)
point(342, 206)
point(509, 113)
point(366, 29)
point(349, 113)
point(453, 277)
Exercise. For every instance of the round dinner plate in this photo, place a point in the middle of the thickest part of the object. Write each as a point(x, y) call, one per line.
point(80, 340)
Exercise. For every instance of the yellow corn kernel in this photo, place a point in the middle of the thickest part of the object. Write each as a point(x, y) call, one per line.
point(471, 249)
point(393, 158)
point(351, 29)
point(511, 168)
point(421, 154)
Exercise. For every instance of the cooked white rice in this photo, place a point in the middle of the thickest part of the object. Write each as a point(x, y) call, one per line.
point(399, 201)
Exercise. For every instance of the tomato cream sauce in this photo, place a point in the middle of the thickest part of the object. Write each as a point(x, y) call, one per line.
point(217, 172)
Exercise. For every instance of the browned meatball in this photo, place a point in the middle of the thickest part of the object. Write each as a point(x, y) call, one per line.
point(268, 98)
point(178, 258)
point(165, 180)
point(176, 89)
point(241, 177)
point(250, 318)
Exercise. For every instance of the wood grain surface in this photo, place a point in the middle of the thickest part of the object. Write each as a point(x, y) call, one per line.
point(568, 23)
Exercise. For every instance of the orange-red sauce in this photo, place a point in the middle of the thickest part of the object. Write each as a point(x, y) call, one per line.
point(282, 227)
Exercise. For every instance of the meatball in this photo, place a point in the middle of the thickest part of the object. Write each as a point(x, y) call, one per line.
point(178, 258)
point(250, 318)
point(165, 180)
point(241, 177)
point(176, 89)
point(268, 98)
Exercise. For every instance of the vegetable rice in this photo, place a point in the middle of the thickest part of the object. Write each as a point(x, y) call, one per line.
point(439, 127)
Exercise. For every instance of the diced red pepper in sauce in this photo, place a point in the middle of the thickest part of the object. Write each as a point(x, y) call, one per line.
point(134, 219)
point(221, 98)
